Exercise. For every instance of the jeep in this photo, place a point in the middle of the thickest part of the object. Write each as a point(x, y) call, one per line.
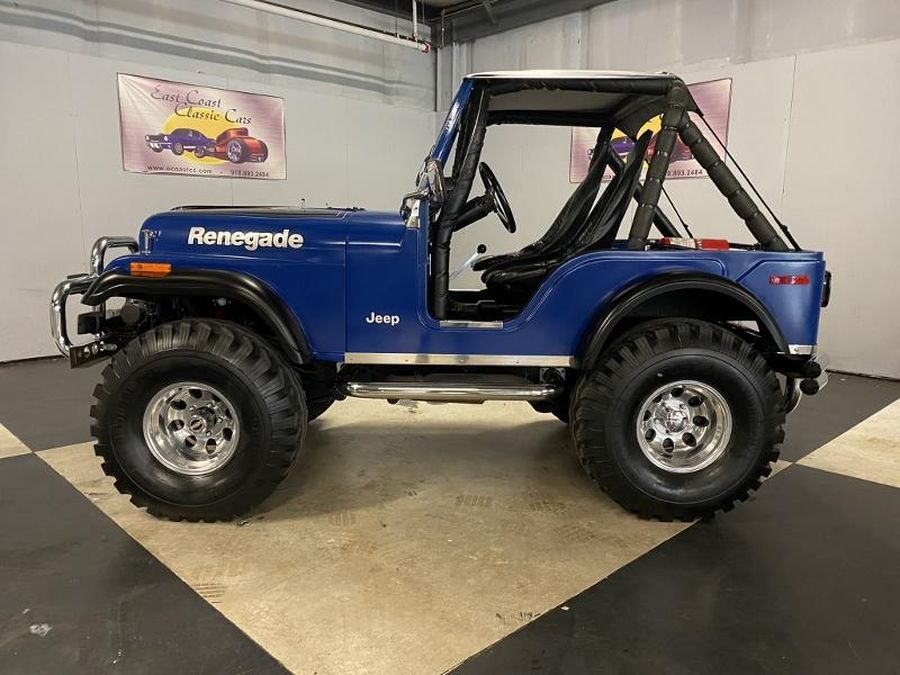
point(673, 359)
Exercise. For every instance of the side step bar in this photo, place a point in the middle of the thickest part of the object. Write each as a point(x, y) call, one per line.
point(451, 392)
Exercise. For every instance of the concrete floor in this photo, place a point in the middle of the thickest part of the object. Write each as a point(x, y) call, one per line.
point(403, 527)
point(413, 538)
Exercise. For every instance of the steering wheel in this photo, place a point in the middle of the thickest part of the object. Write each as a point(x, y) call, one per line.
point(495, 192)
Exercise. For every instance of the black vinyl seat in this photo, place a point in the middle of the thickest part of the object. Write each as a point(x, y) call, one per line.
point(574, 211)
point(597, 231)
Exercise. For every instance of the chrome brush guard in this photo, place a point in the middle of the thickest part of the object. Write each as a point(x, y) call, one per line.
point(77, 284)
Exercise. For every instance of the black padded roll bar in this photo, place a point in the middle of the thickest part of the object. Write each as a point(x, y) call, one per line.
point(741, 202)
point(660, 219)
point(465, 165)
point(677, 122)
point(673, 117)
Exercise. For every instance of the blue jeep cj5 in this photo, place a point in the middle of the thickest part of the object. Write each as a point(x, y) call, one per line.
point(673, 359)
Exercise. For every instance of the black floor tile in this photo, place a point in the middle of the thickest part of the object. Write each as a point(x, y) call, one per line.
point(844, 403)
point(804, 579)
point(104, 604)
point(46, 403)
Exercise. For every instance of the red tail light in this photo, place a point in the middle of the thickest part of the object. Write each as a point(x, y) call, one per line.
point(789, 280)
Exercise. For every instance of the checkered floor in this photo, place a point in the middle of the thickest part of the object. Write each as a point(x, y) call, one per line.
point(419, 538)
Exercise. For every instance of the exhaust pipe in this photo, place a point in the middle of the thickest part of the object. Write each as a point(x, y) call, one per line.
point(451, 392)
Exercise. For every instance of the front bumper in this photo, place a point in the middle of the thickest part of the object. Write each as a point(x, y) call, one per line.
point(77, 284)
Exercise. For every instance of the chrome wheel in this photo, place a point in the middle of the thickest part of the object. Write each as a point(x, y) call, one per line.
point(684, 426)
point(191, 428)
point(235, 151)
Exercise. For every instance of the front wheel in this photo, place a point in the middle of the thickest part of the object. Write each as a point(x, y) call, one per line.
point(177, 148)
point(680, 419)
point(198, 420)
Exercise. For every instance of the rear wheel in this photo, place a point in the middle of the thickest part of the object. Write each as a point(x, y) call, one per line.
point(235, 151)
point(680, 419)
point(198, 420)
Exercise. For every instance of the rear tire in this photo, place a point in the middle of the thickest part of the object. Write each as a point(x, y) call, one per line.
point(686, 381)
point(144, 409)
point(235, 151)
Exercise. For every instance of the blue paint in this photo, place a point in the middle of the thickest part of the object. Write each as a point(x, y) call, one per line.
point(354, 263)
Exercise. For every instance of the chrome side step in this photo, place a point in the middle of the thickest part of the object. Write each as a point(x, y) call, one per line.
point(451, 392)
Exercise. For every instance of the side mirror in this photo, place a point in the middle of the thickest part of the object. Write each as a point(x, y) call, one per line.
point(429, 185)
point(409, 207)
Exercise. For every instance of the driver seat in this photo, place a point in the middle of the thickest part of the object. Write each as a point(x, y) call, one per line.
point(597, 232)
point(574, 211)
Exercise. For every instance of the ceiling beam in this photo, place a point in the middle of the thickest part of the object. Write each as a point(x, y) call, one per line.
point(402, 9)
point(469, 22)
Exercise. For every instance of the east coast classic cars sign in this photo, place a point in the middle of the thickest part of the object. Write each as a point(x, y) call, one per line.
point(173, 127)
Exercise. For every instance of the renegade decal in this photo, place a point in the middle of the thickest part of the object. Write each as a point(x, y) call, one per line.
point(249, 240)
point(389, 319)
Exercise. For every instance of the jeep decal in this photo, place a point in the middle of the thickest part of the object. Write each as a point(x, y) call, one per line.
point(249, 240)
point(388, 319)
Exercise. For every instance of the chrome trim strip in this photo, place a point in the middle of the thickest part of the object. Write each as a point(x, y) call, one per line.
point(390, 358)
point(103, 244)
point(458, 323)
point(450, 392)
point(802, 350)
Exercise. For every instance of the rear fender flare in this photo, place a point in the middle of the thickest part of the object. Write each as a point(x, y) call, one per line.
point(628, 301)
point(235, 286)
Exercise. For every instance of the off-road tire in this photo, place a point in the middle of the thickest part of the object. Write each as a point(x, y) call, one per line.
point(268, 400)
point(607, 401)
point(318, 381)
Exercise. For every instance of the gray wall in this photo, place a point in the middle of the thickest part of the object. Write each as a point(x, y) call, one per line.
point(359, 118)
point(815, 94)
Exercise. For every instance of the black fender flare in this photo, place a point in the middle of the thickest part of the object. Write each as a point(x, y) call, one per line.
point(626, 301)
point(210, 283)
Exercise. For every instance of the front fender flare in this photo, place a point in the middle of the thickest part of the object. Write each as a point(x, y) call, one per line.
point(627, 301)
point(210, 283)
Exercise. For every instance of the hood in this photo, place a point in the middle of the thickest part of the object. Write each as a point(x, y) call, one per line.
point(267, 232)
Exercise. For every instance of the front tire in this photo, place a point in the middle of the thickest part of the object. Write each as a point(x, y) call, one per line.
point(198, 420)
point(319, 382)
point(680, 419)
point(177, 148)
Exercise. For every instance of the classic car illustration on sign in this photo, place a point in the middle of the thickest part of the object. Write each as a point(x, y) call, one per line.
point(179, 140)
point(623, 145)
point(237, 146)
